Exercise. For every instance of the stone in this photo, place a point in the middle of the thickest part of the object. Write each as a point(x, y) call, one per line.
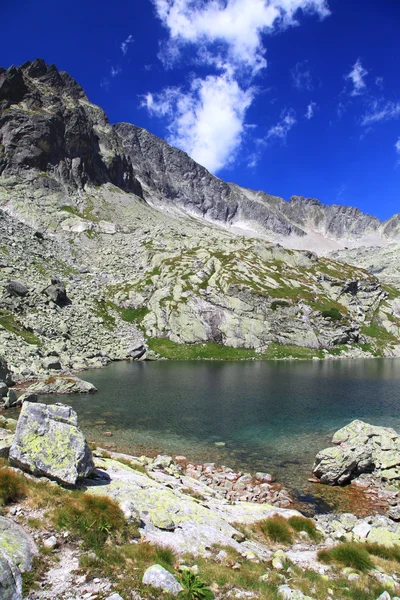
point(16, 544)
point(380, 535)
point(10, 579)
point(11, 399)
point(361, 530)
point(3, 389)
point(56, 291)
point(114, 597)
point(265, 477)
point(359, 448)
point(27, 397)
point(60, 384)
point(48, 442)
point(160, 578)
point(384, 596)
point(5, 373)
point(51, 363)
point(16, 288)
point(50, 542)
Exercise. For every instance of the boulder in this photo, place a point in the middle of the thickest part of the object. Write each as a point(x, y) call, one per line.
point(16, 288)
point(10, 399)
point(62, 385)
point(17, 545)
point(5, 373)
point(10, 579)
point(359, 448)
point(56, 291)
point(48, 442)
point(160, 578)
point(3, 389)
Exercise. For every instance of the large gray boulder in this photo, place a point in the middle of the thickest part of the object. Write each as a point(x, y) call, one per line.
point(18, 546)
point(5, 373)
point(359, 448)
point(10, 579)
point(16, 288)
point(48, 442)
point(160, 578)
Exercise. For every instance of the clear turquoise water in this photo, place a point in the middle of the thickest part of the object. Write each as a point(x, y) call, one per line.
point(272, 416)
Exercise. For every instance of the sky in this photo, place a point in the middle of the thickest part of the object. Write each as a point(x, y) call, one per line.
point(293, 97)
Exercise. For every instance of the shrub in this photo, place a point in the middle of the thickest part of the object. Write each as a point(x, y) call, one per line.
point(276, 529)
point(91, 518)
point(12, 487)
point(348, 555)
point(279, 303)
point(194, 588)
point(332, 313)
point(303, 524)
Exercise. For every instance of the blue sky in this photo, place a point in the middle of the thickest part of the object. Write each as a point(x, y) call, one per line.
point(289, 96)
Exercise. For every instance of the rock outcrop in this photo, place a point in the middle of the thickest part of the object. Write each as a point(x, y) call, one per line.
point(17, 549)
point(48, 443)
point(359, 448)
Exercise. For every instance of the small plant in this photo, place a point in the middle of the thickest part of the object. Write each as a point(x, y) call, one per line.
point(145, 553)
point(12, 487)
point(348, 555)
point(276, 529)
point(307, 525)
point(279, 303)
point(90, 518)
point(194, 588)
point(193, 493)
point(332, 313)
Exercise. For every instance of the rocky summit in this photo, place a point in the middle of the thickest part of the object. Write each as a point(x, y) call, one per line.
point(115, 245)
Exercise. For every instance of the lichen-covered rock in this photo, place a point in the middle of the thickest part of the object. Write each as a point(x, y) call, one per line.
point(359, 448)
point(62, 385)
point(6, 439)
point(17, 544)
point(160, 578)
point(48, 442)
point(10, 579)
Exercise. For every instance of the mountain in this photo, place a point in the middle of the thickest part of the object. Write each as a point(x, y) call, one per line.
point(114, 244)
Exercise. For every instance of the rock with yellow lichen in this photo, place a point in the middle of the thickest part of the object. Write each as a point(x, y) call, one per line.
point(48, 442)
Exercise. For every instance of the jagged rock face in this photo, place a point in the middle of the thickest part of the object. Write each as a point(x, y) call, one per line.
point(47, 124)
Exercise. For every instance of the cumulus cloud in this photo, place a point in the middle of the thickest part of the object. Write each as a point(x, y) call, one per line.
point(208, 119)
point(301, 76)
point(357, 77)
point(284, 125)
point(125, 44)
point(397, 146)
point(310, 110)
point(381, 110)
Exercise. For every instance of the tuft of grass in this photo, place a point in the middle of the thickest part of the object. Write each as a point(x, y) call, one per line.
point(136, 466)
point(144, 554)
point(307, 525)
point(194, 588)
point(194, 494)
point(381, 551)
point(93, 519)
point(12, 487)
point(275, 529)
point(348, 555)
point(332, 313)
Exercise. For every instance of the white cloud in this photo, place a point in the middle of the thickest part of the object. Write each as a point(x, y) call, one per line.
point(125, 44)
point(310, 110)
point(114, 71)
point(236, 23)
point(397, 145)
point(282, 128)
point(381, 110)
point(357, 76)
point(301, 76)
point(207, 120)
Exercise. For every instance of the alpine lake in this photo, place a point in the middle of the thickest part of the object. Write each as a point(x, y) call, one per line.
point(271, 416)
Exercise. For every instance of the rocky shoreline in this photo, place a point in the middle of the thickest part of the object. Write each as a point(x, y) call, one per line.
point(234, 533)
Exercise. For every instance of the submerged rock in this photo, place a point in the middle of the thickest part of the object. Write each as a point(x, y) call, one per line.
point(48, 442)
point(360, 448)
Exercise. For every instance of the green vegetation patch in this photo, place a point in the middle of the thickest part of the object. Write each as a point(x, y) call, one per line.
point(10, 323)
point(332, 313)
point(275, 529)
point(348, 555)
point(168, 349)
point(12, 487)
point(375, 330)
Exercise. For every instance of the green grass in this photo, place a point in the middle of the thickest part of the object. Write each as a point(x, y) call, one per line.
point(307, 525)
point(275, 529)
point(92, 519)
point(10, 323)
point(12, 487)
point(348, 555)
point(377, 331)
point(172, 350)
point(332, 313)
point(279, 304)
point(134, 315)
point(194, 588)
